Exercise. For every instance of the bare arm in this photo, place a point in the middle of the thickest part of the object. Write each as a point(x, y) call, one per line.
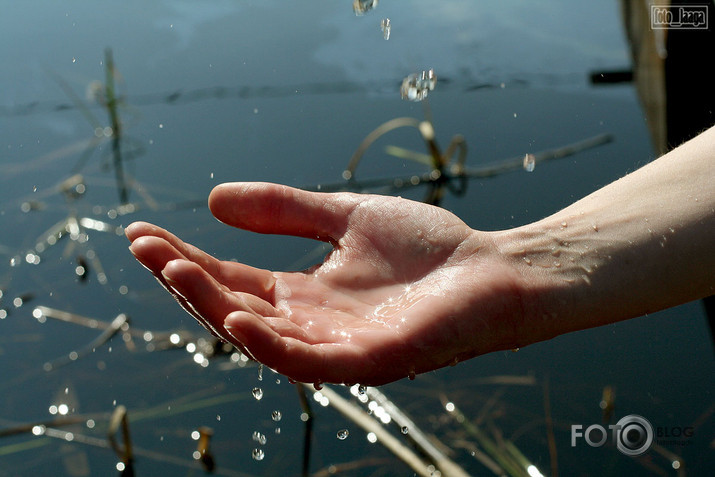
point(409, 287)
point(641, 244)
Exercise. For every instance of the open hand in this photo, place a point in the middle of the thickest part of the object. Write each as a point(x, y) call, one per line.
point(407, 288)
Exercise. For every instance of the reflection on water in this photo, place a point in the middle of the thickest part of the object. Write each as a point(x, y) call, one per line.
point(91, 347)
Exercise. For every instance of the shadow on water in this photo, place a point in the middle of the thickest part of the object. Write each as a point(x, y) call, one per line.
point(135, 388)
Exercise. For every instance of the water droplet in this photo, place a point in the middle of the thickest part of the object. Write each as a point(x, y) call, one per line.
point(276, 415)
point(529, 162)
point(404, 430)
point(343, 434)
point(260, 438)
point(362, 389)
point(260, 372)
point(361, 7)
point(318, 386)
point(257, 393)
point(385, 26)
point(258, 454)
point(415, 87)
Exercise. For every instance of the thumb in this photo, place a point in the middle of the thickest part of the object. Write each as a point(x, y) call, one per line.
point(278, 209)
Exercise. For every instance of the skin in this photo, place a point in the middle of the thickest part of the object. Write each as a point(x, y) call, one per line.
point(409, 287)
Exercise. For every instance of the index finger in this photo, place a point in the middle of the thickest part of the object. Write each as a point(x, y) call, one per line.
point(278, 209)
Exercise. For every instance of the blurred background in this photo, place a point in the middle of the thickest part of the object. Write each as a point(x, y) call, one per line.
point(112, 112)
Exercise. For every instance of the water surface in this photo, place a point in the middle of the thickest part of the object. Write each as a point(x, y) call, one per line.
point(284, 92)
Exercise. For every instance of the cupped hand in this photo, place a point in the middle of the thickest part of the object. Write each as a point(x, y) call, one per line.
point(407, 288)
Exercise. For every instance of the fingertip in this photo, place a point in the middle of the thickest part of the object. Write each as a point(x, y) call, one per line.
point(139, 229)
point(232, 325)
point(149, 247)
point(133, 230)
point(223, 192)
point(175, 267)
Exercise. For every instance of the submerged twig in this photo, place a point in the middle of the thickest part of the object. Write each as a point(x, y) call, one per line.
point(444, 463)
point(119, 422)
point(362, 419)
point(395, 184)
point(369, 424)
point(120, 322)
point(501, 454)
point(308, 436)
point(550, 429)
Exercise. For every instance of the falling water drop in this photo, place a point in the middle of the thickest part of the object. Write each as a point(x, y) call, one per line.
point(260, 438)
point(385, 26)
point(415, 87)
point(343, 434)
point(257, 393)
point(276, 415)
point(529, 162)
point(260, 372)
point(258, 454)
point(361, 7)
point(404, 430)
point(362, 389)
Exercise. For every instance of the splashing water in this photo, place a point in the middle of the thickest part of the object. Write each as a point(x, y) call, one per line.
point(529, 162)
point(416, 86)
point(361, 7)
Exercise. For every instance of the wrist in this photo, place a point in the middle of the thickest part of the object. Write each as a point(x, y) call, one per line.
point(560, 262)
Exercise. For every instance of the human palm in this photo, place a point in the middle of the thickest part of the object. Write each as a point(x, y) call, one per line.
point(407, 288)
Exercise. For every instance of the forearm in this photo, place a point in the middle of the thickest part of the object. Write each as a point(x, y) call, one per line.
point(641, 244)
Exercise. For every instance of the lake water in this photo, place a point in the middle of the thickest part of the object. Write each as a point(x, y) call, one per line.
point(285, 92)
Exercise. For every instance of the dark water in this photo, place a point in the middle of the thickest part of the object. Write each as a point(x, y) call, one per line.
point(285, 92)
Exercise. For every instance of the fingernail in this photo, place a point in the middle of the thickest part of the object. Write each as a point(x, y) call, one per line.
point(168, 279)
